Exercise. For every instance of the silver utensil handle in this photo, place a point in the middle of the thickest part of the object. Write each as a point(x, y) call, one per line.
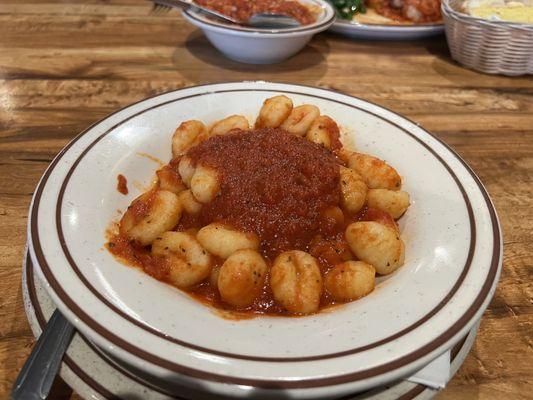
point(36, 377)
point(184, 4)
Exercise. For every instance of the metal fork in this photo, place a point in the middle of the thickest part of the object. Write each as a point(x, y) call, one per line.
point(36, 377)
point(161, 7)
point(260, 20)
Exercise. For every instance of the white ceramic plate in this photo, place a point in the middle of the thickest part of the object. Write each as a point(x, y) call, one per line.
point(94, 376)
point(358, 30)
point(453, 258)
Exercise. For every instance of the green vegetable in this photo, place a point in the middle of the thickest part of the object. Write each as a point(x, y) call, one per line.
point(346, 9)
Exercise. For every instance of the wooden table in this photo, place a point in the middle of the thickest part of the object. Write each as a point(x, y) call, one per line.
point(66, 64)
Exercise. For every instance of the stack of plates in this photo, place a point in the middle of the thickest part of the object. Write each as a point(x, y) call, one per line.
point(141, 338)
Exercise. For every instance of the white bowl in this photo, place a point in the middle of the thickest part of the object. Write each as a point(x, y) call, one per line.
point(261, 46)
point(451, 233)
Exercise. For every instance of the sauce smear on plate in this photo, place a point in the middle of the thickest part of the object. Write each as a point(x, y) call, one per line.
point(122, 184)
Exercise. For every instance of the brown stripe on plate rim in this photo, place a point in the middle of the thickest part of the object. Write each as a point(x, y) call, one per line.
point(89, 381)
point(409, 358)
point(180, 342)
point(41, 320)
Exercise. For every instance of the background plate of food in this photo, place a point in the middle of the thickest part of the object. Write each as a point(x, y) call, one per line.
point(388, 19)
point(432, 273)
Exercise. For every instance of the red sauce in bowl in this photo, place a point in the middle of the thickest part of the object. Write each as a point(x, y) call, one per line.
point(242, 10)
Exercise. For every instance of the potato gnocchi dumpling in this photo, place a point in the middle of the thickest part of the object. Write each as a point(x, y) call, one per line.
point(376, 244)
point(205, 184)
point(228, 124)
point(334, 216)
point(393, 202)
point(189, 263)
point(344, 155)
point(300, 119)
point(150, 215)
point(241, 277)
point(353, 190)
point(223, 241)
point(186, 170)
point(350, 280)
point(324, 131)
point(296, 281)
point(279, 219)
point(213, 277)
point(185, 136)
point(275, 110)
point(376, 173)
point(189, 203)
point(170, 180)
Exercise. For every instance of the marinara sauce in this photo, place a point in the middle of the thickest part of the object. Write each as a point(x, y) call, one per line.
point(425, 10)
point(242, 10)
point(273, 184)
point(281, 187)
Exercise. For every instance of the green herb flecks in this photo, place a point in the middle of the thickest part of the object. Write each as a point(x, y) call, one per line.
point(346, 9)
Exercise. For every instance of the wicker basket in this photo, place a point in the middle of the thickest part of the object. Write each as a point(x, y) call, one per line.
point(487, 46)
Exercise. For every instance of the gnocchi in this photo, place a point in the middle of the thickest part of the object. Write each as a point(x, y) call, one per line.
point(185, 135)
point(189, 203)
point(353, 190)
point(324, 131)
point(205, 184)
point(333, 216)
point(275, 110)
point(376, 244)
point(376, 173)
point(170, 180)
point(150, 215)
point(393, 202)
point(186, 170)
point(213, 277)
point(189, 264)
point(296, 282)
point(344, 155)
point(228, 124)
point(230, 215)
point(223, 241)
point(300, 119)
point(350, 280)
point(241, 277)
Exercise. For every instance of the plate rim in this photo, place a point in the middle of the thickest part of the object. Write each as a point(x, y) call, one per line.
point(181, 342)
point(418, 27)
point(29, 289)
point(363, 31)
point(485, 291)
